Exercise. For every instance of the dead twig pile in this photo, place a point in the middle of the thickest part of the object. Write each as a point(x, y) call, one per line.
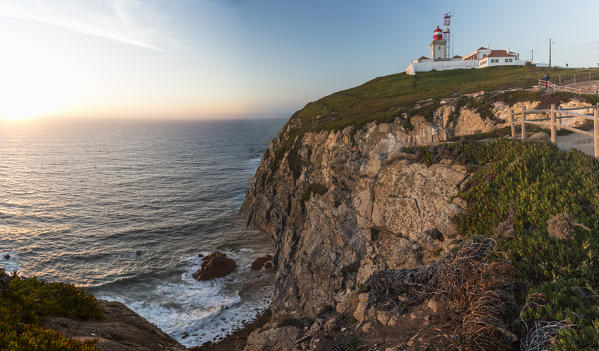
point(542, 335)
point(483, 291)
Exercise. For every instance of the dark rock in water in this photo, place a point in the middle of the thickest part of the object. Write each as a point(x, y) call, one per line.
point(261, 262)
point(138, 253)
point(215, 265)
point(268, 265)
point(200, 255)
point(7, 256)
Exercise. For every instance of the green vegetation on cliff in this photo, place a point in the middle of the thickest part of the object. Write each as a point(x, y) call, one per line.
point(25, 302)
point(380, 98)
point(401, 96)
point(542, 206)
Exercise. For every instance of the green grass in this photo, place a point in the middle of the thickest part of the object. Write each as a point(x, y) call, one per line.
point(533, 182)
point(28, 301)
point(395, 96)
point(378, 99)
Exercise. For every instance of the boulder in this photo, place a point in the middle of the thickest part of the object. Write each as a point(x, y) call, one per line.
point(215, 265)
point(540, 137)
point(261, 262)
point(276, 339)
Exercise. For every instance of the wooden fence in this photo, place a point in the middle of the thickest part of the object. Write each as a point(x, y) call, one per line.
point(577, 90)
point(552, 122)
point(577, 78)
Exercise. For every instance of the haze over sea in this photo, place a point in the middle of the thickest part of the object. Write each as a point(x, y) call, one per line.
point(125, 207)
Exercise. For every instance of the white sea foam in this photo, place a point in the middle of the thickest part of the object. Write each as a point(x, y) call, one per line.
point(194, 312)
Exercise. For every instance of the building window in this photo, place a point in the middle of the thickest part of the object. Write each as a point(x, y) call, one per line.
point(510, 60)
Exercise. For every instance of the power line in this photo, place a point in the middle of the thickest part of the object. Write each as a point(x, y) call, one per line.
point(591, 43)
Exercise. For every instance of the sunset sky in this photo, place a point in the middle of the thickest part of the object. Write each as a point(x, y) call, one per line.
point(236, 58)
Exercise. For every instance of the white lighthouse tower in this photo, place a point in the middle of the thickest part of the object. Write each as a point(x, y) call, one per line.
point(438, 45)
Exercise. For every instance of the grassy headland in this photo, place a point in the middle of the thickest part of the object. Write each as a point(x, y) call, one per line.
point(378, 99)
point(387, 98)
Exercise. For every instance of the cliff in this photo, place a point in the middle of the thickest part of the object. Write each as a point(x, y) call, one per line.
point(345, 196)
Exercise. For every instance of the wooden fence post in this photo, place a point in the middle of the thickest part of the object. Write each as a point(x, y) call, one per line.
point(553, 132)
point(512, 125)
point(523, 123)
point(596, 132)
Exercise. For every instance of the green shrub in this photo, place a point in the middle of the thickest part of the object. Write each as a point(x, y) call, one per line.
point(28, 301)
point(531, 183)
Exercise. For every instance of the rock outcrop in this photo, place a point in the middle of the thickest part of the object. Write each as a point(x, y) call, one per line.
point(341, 205)
point(215, 265)
point(121, 330)
point(262, 262)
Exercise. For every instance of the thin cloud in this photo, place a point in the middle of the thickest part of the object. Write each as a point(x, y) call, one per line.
point(111, 20)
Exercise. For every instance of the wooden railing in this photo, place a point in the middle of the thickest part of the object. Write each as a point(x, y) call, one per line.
point(551, 122)
point(577, 78)
point(555, 87)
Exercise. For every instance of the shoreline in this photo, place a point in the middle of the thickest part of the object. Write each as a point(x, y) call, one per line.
point(238, 339)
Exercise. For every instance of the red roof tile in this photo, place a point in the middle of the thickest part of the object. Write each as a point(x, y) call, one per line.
point(499, 53)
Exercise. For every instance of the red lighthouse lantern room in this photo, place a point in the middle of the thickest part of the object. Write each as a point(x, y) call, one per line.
point(438, 34)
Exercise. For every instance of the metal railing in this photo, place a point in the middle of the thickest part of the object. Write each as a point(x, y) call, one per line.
point(551, 122)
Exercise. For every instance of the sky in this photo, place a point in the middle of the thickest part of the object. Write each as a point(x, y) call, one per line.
point(248, 58)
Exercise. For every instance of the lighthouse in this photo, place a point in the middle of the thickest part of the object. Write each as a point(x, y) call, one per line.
point(438, 45)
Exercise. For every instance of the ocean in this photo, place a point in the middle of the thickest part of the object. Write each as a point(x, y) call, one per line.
point(124, 208)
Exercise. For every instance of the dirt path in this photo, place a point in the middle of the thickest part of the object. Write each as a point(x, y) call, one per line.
point(576, 141)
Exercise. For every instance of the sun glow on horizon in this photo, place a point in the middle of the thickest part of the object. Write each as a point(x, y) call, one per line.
point(35, 79)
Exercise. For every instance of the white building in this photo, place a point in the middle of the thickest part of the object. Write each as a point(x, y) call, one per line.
point(499, 58)
point(479, 58)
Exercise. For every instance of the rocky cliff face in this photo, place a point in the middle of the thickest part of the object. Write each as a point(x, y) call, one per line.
point(341, 205)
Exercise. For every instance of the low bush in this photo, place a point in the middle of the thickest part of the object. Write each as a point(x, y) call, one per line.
point(530, 183)
point(25, 302)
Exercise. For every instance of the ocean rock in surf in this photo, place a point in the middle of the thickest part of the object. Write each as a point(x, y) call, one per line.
point(215, 265)
point(7, 256)
point(268, 265)
point(261, 262)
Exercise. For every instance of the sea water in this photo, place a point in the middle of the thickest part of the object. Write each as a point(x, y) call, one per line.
point(124, 208)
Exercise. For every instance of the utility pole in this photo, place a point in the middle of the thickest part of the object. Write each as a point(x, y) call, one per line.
point(549, 52)
point(532, 56)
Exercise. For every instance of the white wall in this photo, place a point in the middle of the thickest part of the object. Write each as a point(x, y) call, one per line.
point(438, 49)
point(502, 62)
point(427, 66)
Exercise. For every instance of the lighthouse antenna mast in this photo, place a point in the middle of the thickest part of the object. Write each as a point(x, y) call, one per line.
point(447, 33)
